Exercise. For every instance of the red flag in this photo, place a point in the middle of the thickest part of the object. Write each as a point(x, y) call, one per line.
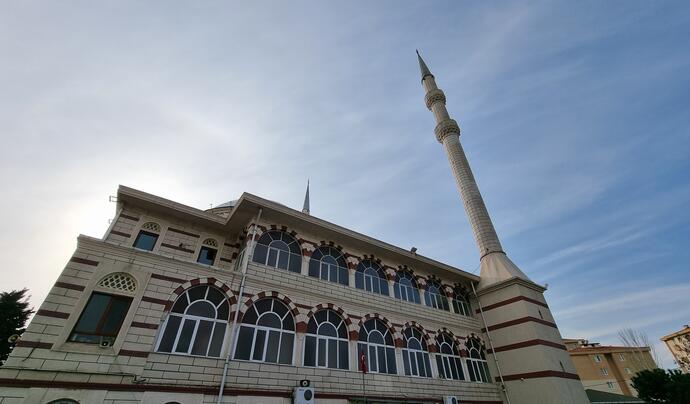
point(363, 362)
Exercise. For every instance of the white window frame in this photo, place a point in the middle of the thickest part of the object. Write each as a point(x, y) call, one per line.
point(326, 338)
point(267, 330)
point(604, 371)
point(597, 358)
point(450, 360)
point(410, 352)
point(197, 320)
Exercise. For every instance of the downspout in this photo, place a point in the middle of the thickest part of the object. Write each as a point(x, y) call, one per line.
point(491, 344)
point(233, 331)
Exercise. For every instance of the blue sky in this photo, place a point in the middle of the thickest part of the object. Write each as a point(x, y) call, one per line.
point(575, 119)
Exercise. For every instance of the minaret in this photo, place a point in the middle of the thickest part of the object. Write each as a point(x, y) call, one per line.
point(305, 207)
point(534, 363)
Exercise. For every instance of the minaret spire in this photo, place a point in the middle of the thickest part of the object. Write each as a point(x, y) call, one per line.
point(448, 134)
point(423, 68)
point(305, 207)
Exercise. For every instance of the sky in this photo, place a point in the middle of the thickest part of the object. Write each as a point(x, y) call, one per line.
point(575, 118)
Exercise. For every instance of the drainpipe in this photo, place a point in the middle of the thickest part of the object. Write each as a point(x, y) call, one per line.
point(491, 344)
point(233, 331)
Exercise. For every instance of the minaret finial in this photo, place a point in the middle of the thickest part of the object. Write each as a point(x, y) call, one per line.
point(305, 207)
point(423, 68)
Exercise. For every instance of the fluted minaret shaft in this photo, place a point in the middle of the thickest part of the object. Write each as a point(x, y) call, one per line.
point(448, 134)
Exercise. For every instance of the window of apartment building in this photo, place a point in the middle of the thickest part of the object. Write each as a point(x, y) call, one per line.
point(370, 277)
point(628, 371)
point(448, 358)
point(279, 250)
point(148, 236)
point(597, 358)
point(609, 385)
point(415, 353)
point(476, 362)
point(328, 263)
point(405, 287)
point(197, 323)
point(267, 333)
point(326, 342)
point(376, 342)
point(604, 371)
point(461, 301)
point(101, 319)
point(435, 297)
point(621, 357)
point(208, 252)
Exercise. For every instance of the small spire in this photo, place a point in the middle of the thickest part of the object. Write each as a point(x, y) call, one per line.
point(305, 207)
point(423, 68)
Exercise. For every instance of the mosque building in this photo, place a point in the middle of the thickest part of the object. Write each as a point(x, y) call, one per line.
point(255, 302)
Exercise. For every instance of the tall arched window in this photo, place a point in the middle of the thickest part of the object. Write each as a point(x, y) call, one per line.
point(267, 333)
point(279, 250)
point(476, 362)
point(370, 277)
point(435, 297)
point(448, 358)
point(197, 323)
point(376, 341)
point(405, 287)
point(328, 263)
point(326, 345)
point(415, 354)
point(461, 302)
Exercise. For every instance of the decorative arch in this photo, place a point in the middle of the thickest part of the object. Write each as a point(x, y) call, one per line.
point(352, 331)
point(278, 248)
point(394, 331)
point(430, 341)
point(201, 281)
point(300, 323)
point(119, 281)
point(198, 322)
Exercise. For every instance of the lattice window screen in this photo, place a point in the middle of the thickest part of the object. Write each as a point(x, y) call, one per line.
point(119, 281)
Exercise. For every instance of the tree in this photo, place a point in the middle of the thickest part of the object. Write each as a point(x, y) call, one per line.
point(640, 342)
point(14, 313)
point(659, 386)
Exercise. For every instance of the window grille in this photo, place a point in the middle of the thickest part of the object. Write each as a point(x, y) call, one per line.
point(119, 281)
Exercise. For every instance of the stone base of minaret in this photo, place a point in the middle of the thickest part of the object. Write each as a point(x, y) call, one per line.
point(535, 365)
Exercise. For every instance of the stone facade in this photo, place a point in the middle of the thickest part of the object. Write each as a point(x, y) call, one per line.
point(45, 365)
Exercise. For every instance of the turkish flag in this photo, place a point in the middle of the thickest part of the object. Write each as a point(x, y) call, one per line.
point(363, 362)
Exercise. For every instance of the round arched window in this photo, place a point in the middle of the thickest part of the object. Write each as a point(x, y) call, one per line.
point(197, 323)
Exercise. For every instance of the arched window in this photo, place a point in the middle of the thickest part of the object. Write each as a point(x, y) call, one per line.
point(461, 302)
point(376, 342)
point(64, 401)
point(208, 252)
point(405, 287)
point(197, 323)
point(476, 362)
point(148, 236)
point(435, 297)
point(267, 333)
point(448, 358)
point(329, 264)
point(326, 344)
point(370, 277)
point(415, 354)
point(279, 250)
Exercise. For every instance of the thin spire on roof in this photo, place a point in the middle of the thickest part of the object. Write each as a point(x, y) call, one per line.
point(305, 207)
point(423, 68)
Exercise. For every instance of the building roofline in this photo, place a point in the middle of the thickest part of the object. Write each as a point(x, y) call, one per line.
point(684, 331)
point(604, 349)
point(248, 204)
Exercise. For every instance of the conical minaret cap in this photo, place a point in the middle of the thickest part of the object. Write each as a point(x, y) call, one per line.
point(305, 207)
point(423, 68)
